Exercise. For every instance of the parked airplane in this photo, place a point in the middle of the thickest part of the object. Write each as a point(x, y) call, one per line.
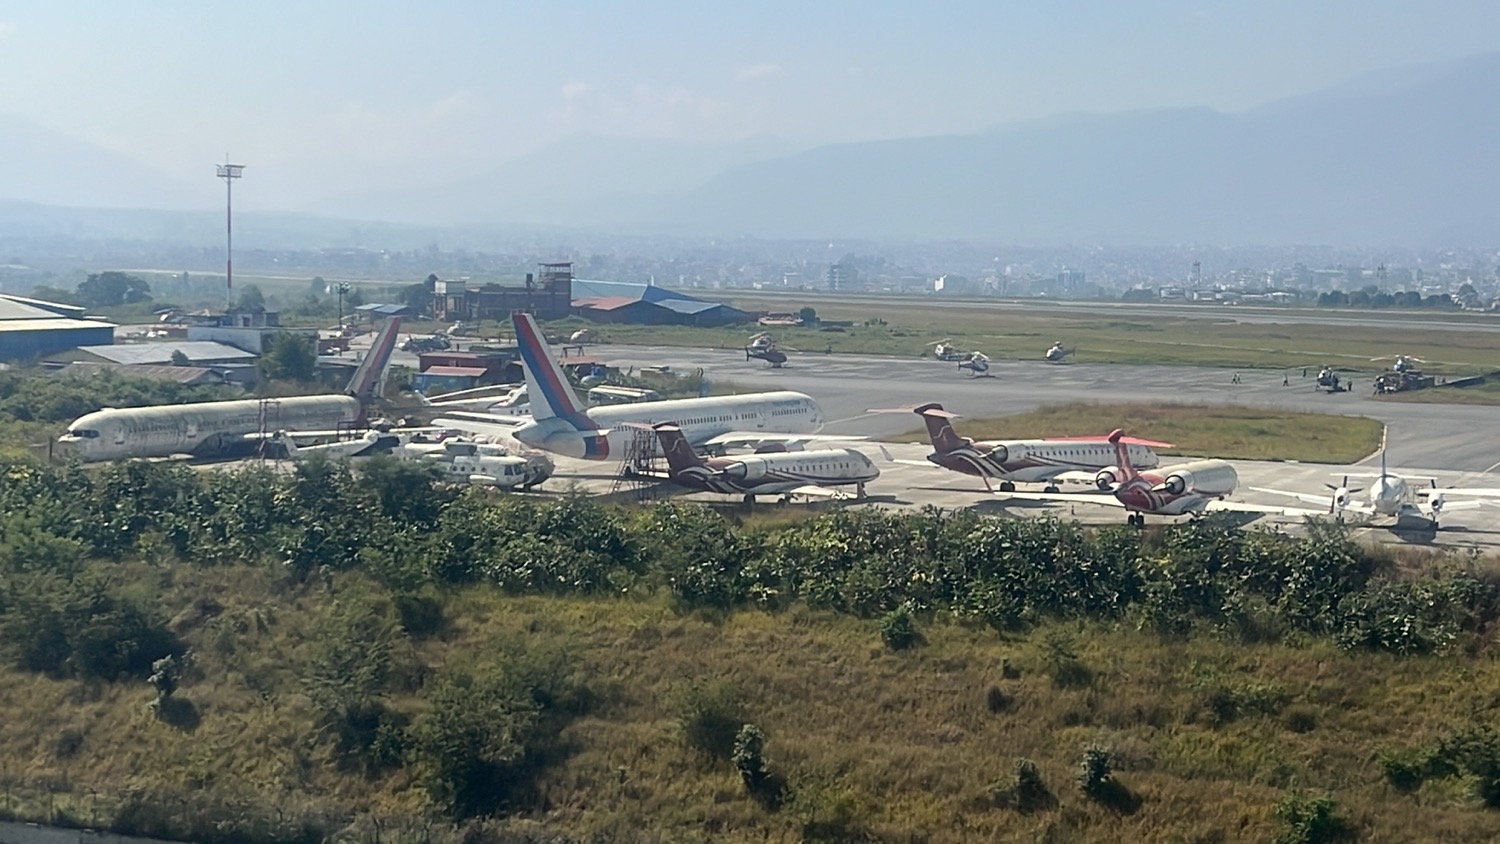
point(1389, 496)
point(1057, 353)
point(221, 427)
point(786, 473)
point(978, 364)
point(1089, 459)
point(1192, 488)
point(559, 424)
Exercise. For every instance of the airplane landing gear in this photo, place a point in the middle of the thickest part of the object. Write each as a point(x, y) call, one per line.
point(1136, 520)
point(1007, 486)
point(1050, 488)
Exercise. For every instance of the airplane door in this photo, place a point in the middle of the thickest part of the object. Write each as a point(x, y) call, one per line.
point(761, 419)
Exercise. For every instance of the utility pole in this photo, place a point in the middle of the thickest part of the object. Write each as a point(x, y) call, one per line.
point(342, 288)
point(229, 172)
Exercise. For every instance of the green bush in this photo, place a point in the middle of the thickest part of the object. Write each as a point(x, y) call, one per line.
point(711, 714)
point(1308, 819)
point(1096, 771)
point(897, 629)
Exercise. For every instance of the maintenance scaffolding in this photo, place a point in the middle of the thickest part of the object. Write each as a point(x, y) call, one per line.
point(640, 475)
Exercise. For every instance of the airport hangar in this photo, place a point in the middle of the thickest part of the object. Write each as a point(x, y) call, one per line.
point(553, 293)
point(31, 328)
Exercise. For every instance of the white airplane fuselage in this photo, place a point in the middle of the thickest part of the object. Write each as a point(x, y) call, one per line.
point(1036, 461)
point(200, 428)
point(766, 474)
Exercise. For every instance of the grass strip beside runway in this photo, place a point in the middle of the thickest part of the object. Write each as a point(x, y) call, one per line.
point(1227, 431)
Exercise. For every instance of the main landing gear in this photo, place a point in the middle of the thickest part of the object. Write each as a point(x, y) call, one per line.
point(1136, 520)
point(1007, 486)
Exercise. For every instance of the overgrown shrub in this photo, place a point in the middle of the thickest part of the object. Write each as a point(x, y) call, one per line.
point(711, 713)
point(1309, 819)
point(1096, 771)
point(897, 629)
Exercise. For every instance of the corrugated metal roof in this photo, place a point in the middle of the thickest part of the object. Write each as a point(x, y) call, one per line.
point(156, 372)
point(591, 289)
point(605, 303)
point(384, 310)
point(685, 306)
point(57, 309)
point(194, 350)
point(459, 371)
point(51, 323)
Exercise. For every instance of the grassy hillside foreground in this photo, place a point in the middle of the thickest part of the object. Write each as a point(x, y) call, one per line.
point(347, 650)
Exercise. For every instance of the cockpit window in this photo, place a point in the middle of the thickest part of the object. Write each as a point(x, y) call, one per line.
point(86, 433)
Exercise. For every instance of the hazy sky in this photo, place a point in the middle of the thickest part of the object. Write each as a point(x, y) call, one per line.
point(318, 96)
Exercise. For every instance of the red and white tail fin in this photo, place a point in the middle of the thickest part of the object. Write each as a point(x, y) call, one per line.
point(675, 445)
point(547, 389)
point(940, 428)
point(1122, 456)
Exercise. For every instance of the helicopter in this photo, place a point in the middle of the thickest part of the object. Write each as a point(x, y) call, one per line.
point(1403, 363)
point(978, 364)
point(945, 350)
point(762, 347)
point(1329, 380)
point(1057, 353)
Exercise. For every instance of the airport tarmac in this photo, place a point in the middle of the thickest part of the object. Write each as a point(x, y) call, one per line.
point(906, 486)
point(1443, 442)
point(1449, 443)
point(1441, 437)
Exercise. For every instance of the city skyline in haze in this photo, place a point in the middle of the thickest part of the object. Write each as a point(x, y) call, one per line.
point(324, 98)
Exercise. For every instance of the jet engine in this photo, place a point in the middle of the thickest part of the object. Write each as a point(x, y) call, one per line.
point(1107, 477)
point(748, 469)
point(1209, 477)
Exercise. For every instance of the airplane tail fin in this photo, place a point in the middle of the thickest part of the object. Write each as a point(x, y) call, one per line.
point(546, 387)
point(675, 445)
point(370, 370)
point(1122, 456)
point(940, 428)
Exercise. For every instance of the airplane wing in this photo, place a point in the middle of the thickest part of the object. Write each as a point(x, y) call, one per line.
point(495, 428)
point(1218, 506)
point(1325, 500)
point(1477, 492)
point(815, 491)
point(1104, 498)
point(754, 438)
point(509, 420)
point(1309, 497)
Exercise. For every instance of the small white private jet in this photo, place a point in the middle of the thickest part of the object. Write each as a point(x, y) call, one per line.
point(1390, 496)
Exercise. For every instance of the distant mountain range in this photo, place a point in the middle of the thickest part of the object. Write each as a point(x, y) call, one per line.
point(1402, 156)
